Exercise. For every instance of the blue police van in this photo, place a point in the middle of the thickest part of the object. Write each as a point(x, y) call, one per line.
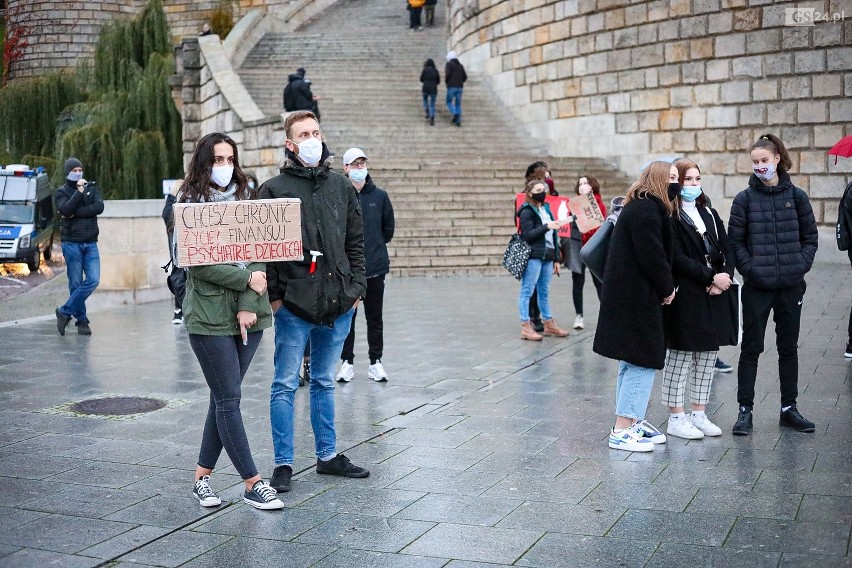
point(27, 223)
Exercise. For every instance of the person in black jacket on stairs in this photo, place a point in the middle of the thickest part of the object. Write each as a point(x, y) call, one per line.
point(454, 76)
point(774, 236)
point(430, 79)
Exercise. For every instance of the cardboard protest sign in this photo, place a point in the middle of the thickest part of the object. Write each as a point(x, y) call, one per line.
point(589, 215)
point(261, 230)
point(560, 208)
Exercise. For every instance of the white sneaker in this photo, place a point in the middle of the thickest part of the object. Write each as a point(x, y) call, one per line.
point(649, 432)
point(578, 322)
point(683, 428)
point(703, 423)
point(377, 372)
point(629, 440)
point(346, 372)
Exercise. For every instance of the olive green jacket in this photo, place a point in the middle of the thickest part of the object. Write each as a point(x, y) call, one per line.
point(214, 295)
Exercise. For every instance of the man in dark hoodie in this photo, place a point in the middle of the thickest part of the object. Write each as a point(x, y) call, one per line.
point(377, 212)
point(454, 76)
point(314, 298)
point(79, 204)
point(297, 93)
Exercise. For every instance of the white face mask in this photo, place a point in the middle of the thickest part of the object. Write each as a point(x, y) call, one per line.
point(585, 189)
point(221, 175)
point(358, 175)
point(310, 151)
point(74, 176)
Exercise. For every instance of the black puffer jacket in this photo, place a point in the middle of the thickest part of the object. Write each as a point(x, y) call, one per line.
point(773, 233)
point(297, 94)
point(454, 74)
point(533, 231)
point(430, 79)
point(332, 225)
point(378, 217)
point(79, 212)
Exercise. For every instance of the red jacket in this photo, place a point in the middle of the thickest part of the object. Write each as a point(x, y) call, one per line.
point(588, 235)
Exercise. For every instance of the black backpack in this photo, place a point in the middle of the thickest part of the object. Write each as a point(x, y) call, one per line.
point(176, 279)
point(844, 220)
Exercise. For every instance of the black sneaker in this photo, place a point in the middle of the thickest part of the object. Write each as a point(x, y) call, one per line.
point(205, 495)
point(262, 496)
point(281, 478)
point(743, 425)
point(305, 377)
point(721, 367)
point(177, 319)
point(61, 322)
point(341, 466)
point(848, 353)
point(83, 328)
point(793, 419)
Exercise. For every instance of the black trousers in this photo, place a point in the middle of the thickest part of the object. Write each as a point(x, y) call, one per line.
point(535, 313)
point(786, 308)
point(414, 17)
point(373, 303)
point(578, 280)
point(224, 361)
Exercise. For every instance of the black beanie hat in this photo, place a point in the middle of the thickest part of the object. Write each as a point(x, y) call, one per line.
point(72, 163)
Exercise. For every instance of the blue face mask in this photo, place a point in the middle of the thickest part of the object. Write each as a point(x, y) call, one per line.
point(74, 176)
point(358, 175)
point(690, 193)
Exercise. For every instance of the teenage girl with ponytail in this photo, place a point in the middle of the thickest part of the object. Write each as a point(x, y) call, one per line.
point(774, 237)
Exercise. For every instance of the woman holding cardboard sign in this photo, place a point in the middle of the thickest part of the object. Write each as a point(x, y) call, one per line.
point(225, 310)
point(586, 185)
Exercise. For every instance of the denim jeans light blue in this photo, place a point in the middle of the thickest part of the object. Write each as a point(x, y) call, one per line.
point(429, 104)
point(633, 390)
point(80, 259)
point(291, 334)
point(536, 277)
point(454, 96)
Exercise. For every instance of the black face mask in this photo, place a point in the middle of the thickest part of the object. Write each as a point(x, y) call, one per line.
point(539, 197)
point(674, 190)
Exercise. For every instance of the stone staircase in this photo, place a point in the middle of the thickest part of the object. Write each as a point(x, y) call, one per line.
point(452, 188)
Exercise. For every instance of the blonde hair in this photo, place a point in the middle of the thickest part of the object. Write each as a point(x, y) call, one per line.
point(654, 180)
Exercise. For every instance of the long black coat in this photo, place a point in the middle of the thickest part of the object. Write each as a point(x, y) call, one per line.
point(638, 277)
point(694, 316)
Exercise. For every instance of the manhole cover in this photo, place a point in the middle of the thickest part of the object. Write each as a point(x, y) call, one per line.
point(118, 406)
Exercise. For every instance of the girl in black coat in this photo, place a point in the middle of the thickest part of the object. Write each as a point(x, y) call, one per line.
point(703, 270)
point(430, 79)
point(637, 283)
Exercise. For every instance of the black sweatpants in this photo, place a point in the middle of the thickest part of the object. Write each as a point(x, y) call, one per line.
point(786, 308)
point(578, 280)
point(373, 303)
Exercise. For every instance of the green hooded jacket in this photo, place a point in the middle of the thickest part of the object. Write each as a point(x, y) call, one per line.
point(214, 295)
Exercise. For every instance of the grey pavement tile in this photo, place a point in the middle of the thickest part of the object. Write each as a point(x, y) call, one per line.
point(176, 548)
point(829, 539)
point(640, 496)
point(6, 550)
point(16, 491)
point(459, 509)
point(380, 476)
point(448, 481)
point(666, 526)
point(745, 503)
point(498, 410)
point(668, 555)
point(178, 482)
point(56, 445)
point(13, 517)
point(820, 483)
point(104, 474)
point(258, 553)
point(447, 458)
point(562, 518)
point(703, 474)
point(60, 533)
point(368, 559)
point(163, 511)
point(468, 564)
point(789, 560)
point(125, 542)
point(520, 444)
point(703, 453)
point(826, 508)
point(495, 426)
point(559, 550)
point(829, 462)
point(530, 488)
point(481, 544)
point(612, 470)
point(123, 451)
point(85, 501)
point(507, 462)
point(28, 557)
point(364, 532)
point(416, 437)
point(9, 436)
point(365, 501)
point(37, 467)
point(286, 524)
point(429, 421)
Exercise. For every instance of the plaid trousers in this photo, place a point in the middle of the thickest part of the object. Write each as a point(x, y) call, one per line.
point(683, 365)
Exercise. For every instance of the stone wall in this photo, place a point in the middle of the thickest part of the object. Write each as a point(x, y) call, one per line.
point(633, 80)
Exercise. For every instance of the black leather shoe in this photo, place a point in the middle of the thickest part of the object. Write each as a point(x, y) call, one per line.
point(281, 478)
point(61, 322)
point(341, 466)
point(83, 328)
point(743, 425)
point(792, 418)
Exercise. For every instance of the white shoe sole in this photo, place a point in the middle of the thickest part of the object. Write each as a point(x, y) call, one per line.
point(272, 505)
point(208, 502)
point(639, 448)
point(694, 436)
point(343, 380)
point(379, 379)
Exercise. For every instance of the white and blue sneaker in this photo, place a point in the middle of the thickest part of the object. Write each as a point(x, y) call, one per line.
point(629, 441)
point(649, 432)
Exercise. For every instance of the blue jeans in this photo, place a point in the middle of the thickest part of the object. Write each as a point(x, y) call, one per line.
point(633, 390)
point(429, 104)
point(536, 277)
point(454, 95)
point(80, 259)
point(291, 334)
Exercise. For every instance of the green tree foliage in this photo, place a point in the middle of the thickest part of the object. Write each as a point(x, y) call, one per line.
point(116, 115)
point(222, 18)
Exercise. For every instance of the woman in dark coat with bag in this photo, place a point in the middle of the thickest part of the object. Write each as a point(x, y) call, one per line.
point(699, 319)
point(637, 283)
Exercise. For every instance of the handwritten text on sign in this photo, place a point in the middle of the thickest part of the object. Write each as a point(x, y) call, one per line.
point(222, 232)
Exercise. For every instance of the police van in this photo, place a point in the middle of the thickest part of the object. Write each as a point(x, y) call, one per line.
point(26, 215)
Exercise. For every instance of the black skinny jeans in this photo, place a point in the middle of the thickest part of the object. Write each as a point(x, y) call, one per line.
point(224, 361)
point(579, 280)
point(373, 304)
point(786, 307)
